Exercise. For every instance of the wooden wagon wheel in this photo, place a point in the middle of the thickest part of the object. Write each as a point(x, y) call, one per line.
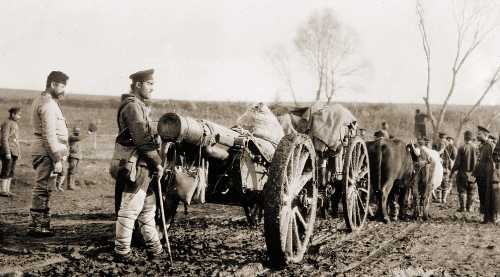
point(251, 202)
point(356, 194)
point(290, 200)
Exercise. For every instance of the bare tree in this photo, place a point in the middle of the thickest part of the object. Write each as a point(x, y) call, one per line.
point(474, 25)
point(328, 49)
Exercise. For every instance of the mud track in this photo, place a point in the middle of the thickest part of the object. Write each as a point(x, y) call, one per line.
point(214, 240)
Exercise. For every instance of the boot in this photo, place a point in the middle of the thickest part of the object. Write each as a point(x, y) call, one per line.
point(40, 224)
point(9, 181)
point(70, 181)
point(3, 188)
point(470, 200)
point(461, 201)
point(445, 196)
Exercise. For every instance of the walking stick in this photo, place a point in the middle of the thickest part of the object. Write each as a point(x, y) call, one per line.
point(162, 211)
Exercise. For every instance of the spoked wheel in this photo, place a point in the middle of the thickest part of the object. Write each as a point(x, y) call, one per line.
point(356, 194)
point(290, 200)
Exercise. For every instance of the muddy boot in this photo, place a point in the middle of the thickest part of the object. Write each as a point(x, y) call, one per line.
point(40, 224)
point(125, 258)
point(70, 181)
point(9, 182)
point(461, 202)
point(3, 188)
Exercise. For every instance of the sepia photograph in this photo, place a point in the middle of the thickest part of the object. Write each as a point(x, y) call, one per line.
point(250, 138)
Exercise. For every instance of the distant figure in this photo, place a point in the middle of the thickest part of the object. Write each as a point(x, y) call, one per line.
point(74, 158)
point(420, 124)
point(49, 150)
point(494, 190)
point(465, 163)
point(492, 139)
point(10, 151)
point(484, 172)
point(362, 133)
point(447, 158)
point(385, 129)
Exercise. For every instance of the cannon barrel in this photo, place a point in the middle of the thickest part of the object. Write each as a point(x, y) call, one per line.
point(174, 127)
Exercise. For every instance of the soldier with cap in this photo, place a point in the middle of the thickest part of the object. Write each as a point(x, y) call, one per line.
point(135, 197)
point(447, 157)
point(420, 124)
point(75, 155)
point(493, 192)
point(484, 170)
point(10, 151)
point(464, 165)
point(49, 150)
point(492, 139)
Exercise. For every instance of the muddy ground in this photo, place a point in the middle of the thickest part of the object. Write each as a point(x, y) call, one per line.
point(214, 240)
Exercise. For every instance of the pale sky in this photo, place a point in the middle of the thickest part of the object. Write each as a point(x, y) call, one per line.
point(215, 50)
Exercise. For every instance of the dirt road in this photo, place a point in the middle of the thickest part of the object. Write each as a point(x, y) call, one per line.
point(214, 240)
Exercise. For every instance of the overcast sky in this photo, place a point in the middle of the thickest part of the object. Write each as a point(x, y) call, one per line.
point(215, 50)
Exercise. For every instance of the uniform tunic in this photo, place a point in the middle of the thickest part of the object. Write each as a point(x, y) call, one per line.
point(135, 199)
point(9, 145)
point(464, 165)
point(49, 147)
point(484, 173)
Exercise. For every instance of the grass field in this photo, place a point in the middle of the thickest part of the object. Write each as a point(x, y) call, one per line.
point(80, 110)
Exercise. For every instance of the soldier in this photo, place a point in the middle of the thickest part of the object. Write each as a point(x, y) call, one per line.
point(10, 151)
point(75, 156)
point(385, 130)
point(484, 170)
point(137, 199)
point(447, 158)
point(420, 124)
point(464, 165)
point(492, 139)
point(494, 190)
point(49, 150)
point(362, 133)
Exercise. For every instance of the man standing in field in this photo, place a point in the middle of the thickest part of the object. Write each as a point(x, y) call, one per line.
point(464, 165)
point(484, 171)
point(10, 151)
point(75, 155)
point(136, 199)
point(447, 158)
point(49, 150)
point(420, 124)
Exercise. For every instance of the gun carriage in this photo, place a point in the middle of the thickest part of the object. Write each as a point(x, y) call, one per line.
point(311, 169)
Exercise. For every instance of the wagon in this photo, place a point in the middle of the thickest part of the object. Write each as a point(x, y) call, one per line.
point(231, 161)
point(306, 173)
point(324, 160)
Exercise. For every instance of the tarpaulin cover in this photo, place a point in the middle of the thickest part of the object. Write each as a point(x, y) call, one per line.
point(328, 123)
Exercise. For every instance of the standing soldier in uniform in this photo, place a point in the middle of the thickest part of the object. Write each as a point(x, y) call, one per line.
point(495, 187)
point(49, 150)
point(447, 159)
point(136, 199)
point(75, 155)
point(464, 165)
point(484, 170)
point(10, 151)
point(420, 124)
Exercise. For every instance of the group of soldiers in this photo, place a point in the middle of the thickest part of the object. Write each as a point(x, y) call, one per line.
point(476, 164)
point(53, 146)
point(135, 200)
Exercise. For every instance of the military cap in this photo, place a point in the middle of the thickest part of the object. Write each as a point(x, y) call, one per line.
point(14, 110)
point(442, 134)
point(468, 134)
point(76, 130)
point(492, 137)
point(58, 77)
point(449, 137)
point(142, 76)
point(482, 129)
